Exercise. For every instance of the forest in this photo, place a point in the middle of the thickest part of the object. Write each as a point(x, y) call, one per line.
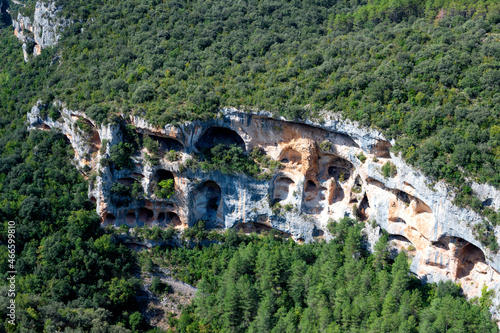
point(265, 283)
point(426, 73)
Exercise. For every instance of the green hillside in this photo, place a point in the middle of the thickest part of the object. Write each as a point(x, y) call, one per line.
point(426, 73)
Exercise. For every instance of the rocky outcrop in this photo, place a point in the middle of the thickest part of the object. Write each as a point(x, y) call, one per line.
point(328, 170)
point(40, 32)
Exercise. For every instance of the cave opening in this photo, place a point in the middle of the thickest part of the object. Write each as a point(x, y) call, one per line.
point(403, 196)
point(109, 219)
point(468, 257)
point(127, 181)
point(310, 186)
point(219, 135)
point(336, 192)
point(173, 218)
point(167, 144)
point(317, 232)
point(313, 195)
point(281, 189)
point(335, 167)
point(259, 228)
point(146, 215)
point(130, 218)
point(357, 187)
point(207, 199)
point(163, 185)
point(163, 174)
point(362, 208)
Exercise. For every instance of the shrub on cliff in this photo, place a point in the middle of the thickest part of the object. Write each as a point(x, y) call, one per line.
point(120, 155)
point(165, 189)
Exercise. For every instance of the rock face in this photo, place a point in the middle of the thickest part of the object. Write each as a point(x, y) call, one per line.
point(40, 32)
point(329, 170)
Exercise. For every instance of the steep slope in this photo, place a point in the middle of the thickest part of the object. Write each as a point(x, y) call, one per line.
point(326, 171)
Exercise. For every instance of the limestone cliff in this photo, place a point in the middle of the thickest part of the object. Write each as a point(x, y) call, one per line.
point(40, 32)
point(329, 169)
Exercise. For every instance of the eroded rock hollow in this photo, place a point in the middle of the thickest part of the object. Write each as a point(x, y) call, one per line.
point(328, 170)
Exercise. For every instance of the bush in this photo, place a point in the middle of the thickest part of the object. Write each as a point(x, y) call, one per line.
point(120, 155)
point(165, 189)
point(362, 157)
point(143, 93)
point(389, 170)
point(157, 286)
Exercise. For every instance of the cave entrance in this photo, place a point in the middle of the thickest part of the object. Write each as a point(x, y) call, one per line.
point(127, 181)
point(163, 185)
point(219, 135)
point(258, 228)
point(130, 219)
point(162, 174)
point(167, 144)
point(207, 199)
point(281, 189)
point(335, 167)
point(468, 257)
point(336, 192)
point(310, 186)
point(173, 218)
point(313, 194)
point(317, 232)
point(146, 216)
point(362, 209)
point(110, 219)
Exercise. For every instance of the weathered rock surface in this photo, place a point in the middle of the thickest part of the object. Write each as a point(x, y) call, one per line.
point(40, 32)
point(322, 179)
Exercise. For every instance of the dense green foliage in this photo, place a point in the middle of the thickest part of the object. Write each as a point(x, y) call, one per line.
point(269, 284)
point(71, 274)
point(165, 188)
point(426, 72)
point(228, 159)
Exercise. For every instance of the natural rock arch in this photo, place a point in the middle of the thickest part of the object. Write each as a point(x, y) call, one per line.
point(219, 135)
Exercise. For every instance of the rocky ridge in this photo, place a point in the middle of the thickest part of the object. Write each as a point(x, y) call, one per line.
point(329, 170)
point(40, 32)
